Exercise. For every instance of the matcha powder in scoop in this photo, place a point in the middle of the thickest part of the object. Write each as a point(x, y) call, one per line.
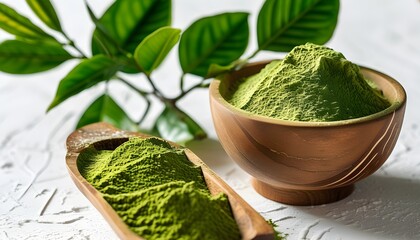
point(158, 192)
point(312, 83)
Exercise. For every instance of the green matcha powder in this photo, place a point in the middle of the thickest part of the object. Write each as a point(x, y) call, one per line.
point(312, 83)
point(158, 192)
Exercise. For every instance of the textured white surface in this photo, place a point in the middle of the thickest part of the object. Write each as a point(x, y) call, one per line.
point(39, 201)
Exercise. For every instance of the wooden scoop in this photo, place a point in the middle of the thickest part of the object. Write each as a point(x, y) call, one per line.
point(105, 137)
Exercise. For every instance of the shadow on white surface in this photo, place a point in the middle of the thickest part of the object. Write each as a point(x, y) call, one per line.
point(380, 206)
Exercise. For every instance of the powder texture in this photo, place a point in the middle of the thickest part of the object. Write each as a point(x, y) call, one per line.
point(312, 83)
point(157, 191)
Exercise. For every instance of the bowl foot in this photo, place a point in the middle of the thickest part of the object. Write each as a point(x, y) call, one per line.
point(301, 197)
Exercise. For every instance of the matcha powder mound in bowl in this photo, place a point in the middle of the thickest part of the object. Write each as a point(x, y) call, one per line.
point(308, 127)
point(312, 83)
point(157, 191)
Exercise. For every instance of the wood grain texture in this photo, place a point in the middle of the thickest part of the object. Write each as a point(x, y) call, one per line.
point(103, 136)
point(309, 158)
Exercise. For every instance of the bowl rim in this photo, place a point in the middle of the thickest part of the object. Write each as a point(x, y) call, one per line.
point(395, 105)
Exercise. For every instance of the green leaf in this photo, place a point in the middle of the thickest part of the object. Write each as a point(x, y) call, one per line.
point(23, 57)
point(219, 39)
point(284, 24)
point(86, 74)
point(175, 125)
point(16, 24)
point(128, 65)
point(153, 49)
point(105, 109)
point(216, 70)
point(101, 37)
point(102, 43)
point(129, 22)
point(45, 11)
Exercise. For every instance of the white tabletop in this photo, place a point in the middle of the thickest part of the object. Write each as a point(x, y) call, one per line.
point(38, 200)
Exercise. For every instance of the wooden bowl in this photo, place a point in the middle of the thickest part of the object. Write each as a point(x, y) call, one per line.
point(103, 136)
point(307, 163)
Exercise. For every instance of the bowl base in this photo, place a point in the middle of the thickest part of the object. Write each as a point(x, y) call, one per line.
point(301, 197)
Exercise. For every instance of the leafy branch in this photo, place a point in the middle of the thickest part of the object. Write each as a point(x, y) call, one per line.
point(135, 37)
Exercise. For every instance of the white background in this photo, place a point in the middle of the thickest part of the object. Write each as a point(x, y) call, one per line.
point(39, 201)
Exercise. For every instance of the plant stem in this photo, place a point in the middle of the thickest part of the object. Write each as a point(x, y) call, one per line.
point(149, 79)
point(146, 111)
point(181, 82)
point(253, 54)
point(142, 93)
point(106, 86)
point(139, 91)
point(168, 102)
point(72, 44)
point(155, 90)
point(183, 93)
